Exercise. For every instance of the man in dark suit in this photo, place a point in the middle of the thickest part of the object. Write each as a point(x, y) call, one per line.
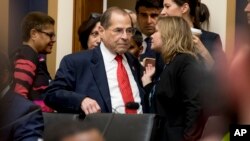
point(147, 12)
point(20, 119)
point(88, 81)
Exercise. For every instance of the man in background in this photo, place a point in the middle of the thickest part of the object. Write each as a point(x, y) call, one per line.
point(147, 14)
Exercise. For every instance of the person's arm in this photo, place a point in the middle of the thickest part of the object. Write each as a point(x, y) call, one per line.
point(190, 79)
point(148, 85)
point(29, 127)
point(61, 95)
point(24, 74)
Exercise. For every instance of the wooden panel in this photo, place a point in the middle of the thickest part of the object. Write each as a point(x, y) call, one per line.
point(82, 10)
point(51, 58)
point(230, 28)
point(122, 4)
point(4, 25)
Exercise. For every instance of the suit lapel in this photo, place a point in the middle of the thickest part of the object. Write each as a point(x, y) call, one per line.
point(135, 68)
point(99, 73)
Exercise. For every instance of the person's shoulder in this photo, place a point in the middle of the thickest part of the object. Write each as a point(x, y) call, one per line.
point(184, 57)
point(25, 49)
point(182, 60)
point(84, 54)
point(209, 34)
point(26, 53)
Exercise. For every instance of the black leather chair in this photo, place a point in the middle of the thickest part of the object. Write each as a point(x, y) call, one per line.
point(127, 127)
point(55, 124)
point(52, 118)
point(115, 127)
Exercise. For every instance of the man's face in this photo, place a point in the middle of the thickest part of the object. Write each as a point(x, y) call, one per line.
point(44, 39)
point(118, 35)
point(146, 19)
point(247, 10)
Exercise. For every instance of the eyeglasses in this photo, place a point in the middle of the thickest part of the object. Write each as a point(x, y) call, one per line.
point(51, 35)
point(129, 31)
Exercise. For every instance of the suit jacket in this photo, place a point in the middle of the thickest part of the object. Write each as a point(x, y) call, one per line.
point(177, 97)
point(83, 75)
point(20, 120)
point(213, 44)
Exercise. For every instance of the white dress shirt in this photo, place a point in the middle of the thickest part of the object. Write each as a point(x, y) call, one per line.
point(118, 106)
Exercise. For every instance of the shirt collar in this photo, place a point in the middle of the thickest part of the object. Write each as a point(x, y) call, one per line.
point(144, 37)
point(107, 54)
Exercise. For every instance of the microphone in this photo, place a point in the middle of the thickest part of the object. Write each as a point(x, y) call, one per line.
point(132, 105)
point(128, 105)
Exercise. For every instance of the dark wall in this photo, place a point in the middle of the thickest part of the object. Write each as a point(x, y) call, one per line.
point(17, 10)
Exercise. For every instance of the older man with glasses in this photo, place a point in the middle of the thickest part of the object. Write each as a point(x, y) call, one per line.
point(105, 79)
point(30, 70)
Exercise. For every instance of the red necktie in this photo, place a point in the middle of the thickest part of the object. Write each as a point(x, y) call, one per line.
point(124, 85)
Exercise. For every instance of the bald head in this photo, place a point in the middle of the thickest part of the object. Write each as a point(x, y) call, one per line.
point(107, 16)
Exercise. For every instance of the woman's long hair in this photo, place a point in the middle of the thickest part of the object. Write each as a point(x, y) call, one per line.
point(176, 36)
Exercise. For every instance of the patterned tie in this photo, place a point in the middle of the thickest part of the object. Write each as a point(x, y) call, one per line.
point(124, 85)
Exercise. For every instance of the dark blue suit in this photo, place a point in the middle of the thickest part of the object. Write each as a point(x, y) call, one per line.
point(213, 44)
point(20, 119)
point(83, 75)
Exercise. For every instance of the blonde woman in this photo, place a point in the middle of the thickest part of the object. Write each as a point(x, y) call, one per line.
point(177, 91)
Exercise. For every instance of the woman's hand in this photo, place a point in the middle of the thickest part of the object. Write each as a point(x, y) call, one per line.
point(147, 74)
